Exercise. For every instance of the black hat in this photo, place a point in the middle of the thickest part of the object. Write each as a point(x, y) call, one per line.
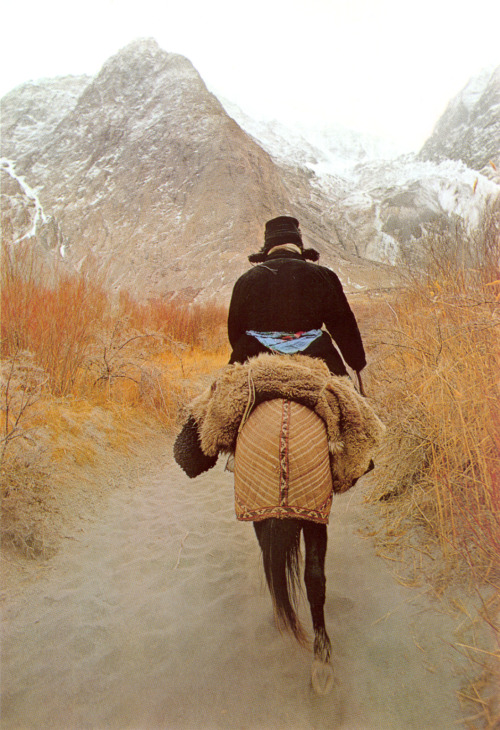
point(280, 230)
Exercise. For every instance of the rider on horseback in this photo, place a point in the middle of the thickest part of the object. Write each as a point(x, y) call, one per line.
point(289, 458)
point(282, 304)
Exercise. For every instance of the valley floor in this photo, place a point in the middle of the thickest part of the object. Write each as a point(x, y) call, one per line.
point(154, 615)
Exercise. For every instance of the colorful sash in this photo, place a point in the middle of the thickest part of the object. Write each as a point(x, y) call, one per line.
point(286, 343)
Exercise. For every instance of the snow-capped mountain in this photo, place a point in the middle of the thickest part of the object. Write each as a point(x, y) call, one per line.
point(31, 113)
point(469, 129)
point(145, 172)
point(385, 200)
point(329, 150)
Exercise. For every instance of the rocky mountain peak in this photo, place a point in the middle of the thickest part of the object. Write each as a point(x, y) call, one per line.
point(148, 175)
point(141, 88)
point(32, 111)
point(142, 71)
point(143, 171)
point(469, 129)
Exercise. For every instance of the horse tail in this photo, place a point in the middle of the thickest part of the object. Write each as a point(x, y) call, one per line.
point(280, 544)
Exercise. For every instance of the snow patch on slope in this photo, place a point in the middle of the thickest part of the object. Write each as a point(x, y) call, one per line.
point(361, 173)
point(39, 215)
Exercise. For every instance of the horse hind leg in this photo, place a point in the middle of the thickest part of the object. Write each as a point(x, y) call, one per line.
point(315, 537)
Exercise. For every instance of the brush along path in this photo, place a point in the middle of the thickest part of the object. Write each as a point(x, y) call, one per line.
point(155, 616)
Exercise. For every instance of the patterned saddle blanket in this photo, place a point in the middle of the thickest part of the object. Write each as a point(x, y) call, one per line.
point(282, 464)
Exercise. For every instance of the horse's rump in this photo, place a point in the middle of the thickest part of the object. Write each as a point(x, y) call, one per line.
point(282, 464)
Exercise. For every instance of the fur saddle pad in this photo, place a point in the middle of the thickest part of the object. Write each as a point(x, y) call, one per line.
point(354, 431)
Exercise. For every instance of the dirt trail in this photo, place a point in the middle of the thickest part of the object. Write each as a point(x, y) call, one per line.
point(155, 616)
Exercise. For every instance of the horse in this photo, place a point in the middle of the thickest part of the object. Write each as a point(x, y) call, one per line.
point(296, 435)
point(288, 441)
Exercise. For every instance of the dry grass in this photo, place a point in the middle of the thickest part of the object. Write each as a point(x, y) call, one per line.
point(83, 377)
point(202, 326)
point(438, 372)
point(435, 379)
point(54, 323)
point(82, 343)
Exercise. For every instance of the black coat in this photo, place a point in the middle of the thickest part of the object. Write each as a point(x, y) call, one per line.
point(288, 294)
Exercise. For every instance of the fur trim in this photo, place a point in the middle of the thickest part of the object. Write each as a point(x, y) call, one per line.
point(354, 430)
point(188, 452)
point(310, 254)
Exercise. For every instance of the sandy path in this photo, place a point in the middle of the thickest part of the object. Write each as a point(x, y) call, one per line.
point(155, 616)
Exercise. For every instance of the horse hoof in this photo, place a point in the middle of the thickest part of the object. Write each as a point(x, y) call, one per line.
point(322, 677)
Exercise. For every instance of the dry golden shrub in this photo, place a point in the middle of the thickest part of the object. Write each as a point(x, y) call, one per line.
point(438, 387)
point(434, 376)
point(82, 377)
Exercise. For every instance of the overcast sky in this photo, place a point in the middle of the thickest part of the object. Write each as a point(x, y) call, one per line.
point(386, 67)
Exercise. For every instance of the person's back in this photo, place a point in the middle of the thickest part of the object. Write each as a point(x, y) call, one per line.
point(285, 293)
point(282, 304)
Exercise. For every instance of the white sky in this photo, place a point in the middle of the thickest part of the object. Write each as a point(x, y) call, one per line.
point(387, 67)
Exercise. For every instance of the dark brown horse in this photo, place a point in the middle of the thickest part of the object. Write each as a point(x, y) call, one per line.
point(283, 484)
point(298, 435)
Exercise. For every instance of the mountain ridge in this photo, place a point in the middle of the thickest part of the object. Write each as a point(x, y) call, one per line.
point(143, 170)
point(469, 129)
